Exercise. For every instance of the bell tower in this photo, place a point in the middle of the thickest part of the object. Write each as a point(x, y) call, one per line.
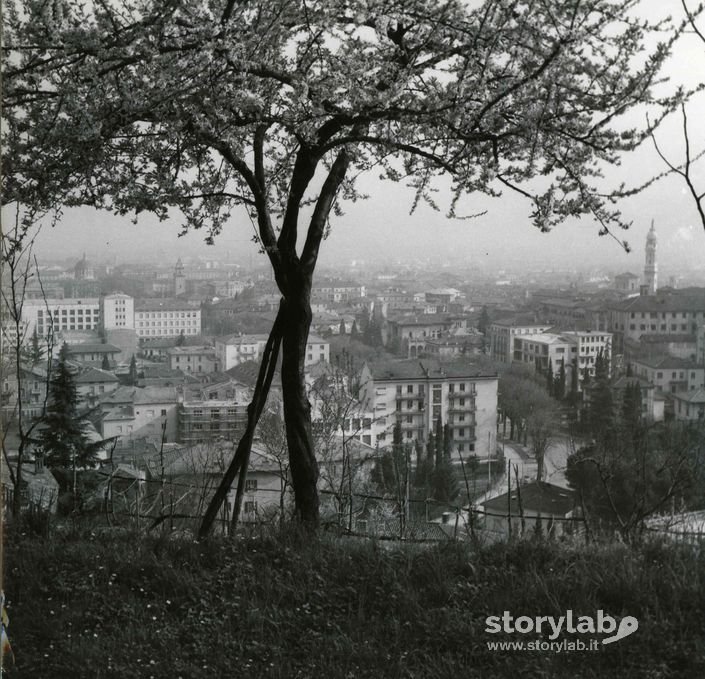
point(179, 279)
point(650, 267)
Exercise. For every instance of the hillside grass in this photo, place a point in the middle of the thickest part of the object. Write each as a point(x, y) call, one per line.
point(102, 604)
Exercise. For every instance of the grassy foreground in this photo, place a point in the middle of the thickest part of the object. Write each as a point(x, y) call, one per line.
point(97, 605)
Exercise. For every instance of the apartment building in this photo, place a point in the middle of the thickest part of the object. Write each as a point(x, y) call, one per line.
point(205, 420)
point(502, 335)
point(670, 374)
point(415, 393)
point(197, 359)
point(232, 350)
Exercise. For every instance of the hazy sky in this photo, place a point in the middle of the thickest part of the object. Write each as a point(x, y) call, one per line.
point(382, 228)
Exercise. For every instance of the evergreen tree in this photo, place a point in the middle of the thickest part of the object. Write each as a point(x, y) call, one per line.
point(549, 378)
point(630, 370)
point(105, 364)
point(341, 330)
point(354, 332)
point(181, 340)
point(439, 442)
point(63, 440)
point(431, 449)
point(445, 483)
point(132, 375)
point(560, 382)
point(36, 352)
point(446, 442)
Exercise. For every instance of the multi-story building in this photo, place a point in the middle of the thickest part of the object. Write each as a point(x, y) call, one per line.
point(31, 391)
point(204, 420)
point(589, 345)
point(415, 393)
point(117, 311)
point(167, 318)
point(93, 353)
point(317, 350)
point(406, 329)
point(671, 375)
point(668, 312)
point(59, 315)
point(502, 334)
point(232, 350)
point(544, 348)
point(198, 359)
point(338, 291)
point(133, 412)
point(93, 383)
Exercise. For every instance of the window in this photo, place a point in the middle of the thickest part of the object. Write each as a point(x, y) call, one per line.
point(250, 507)
point(163, 412)
point(462, 387)
point(409, 388)
point(250, 485)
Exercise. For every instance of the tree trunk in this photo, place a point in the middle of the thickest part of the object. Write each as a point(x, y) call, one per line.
point(297, 409)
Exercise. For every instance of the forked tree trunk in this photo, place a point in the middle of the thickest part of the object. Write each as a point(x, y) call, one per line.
point(297, 409)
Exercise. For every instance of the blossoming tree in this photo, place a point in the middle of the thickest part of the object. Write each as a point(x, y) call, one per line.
point(274, 108)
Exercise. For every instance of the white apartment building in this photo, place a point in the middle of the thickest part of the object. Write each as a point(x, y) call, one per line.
point(589, 345)
point(232, 350)
point(117, 311)
point(415, 393)
point(166, 318)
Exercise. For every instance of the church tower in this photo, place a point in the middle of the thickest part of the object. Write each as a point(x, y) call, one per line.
point(179, 279)
point(651, 268)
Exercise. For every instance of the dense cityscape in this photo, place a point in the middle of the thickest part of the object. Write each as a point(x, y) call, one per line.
point(164, 360)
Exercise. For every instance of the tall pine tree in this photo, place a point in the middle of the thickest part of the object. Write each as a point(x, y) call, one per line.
point(63, 440)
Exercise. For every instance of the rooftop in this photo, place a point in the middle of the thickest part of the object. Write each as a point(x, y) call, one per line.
point(536, 497)
point(428, 368)
point(667, 299)
point(95, 375)
point(93, 348)
point(165, 304)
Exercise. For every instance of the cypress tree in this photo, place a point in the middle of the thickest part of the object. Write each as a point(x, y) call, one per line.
point(439, 442)
point(446, 442)
point(105, 363)
point(560, 382)
point(549, 378)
